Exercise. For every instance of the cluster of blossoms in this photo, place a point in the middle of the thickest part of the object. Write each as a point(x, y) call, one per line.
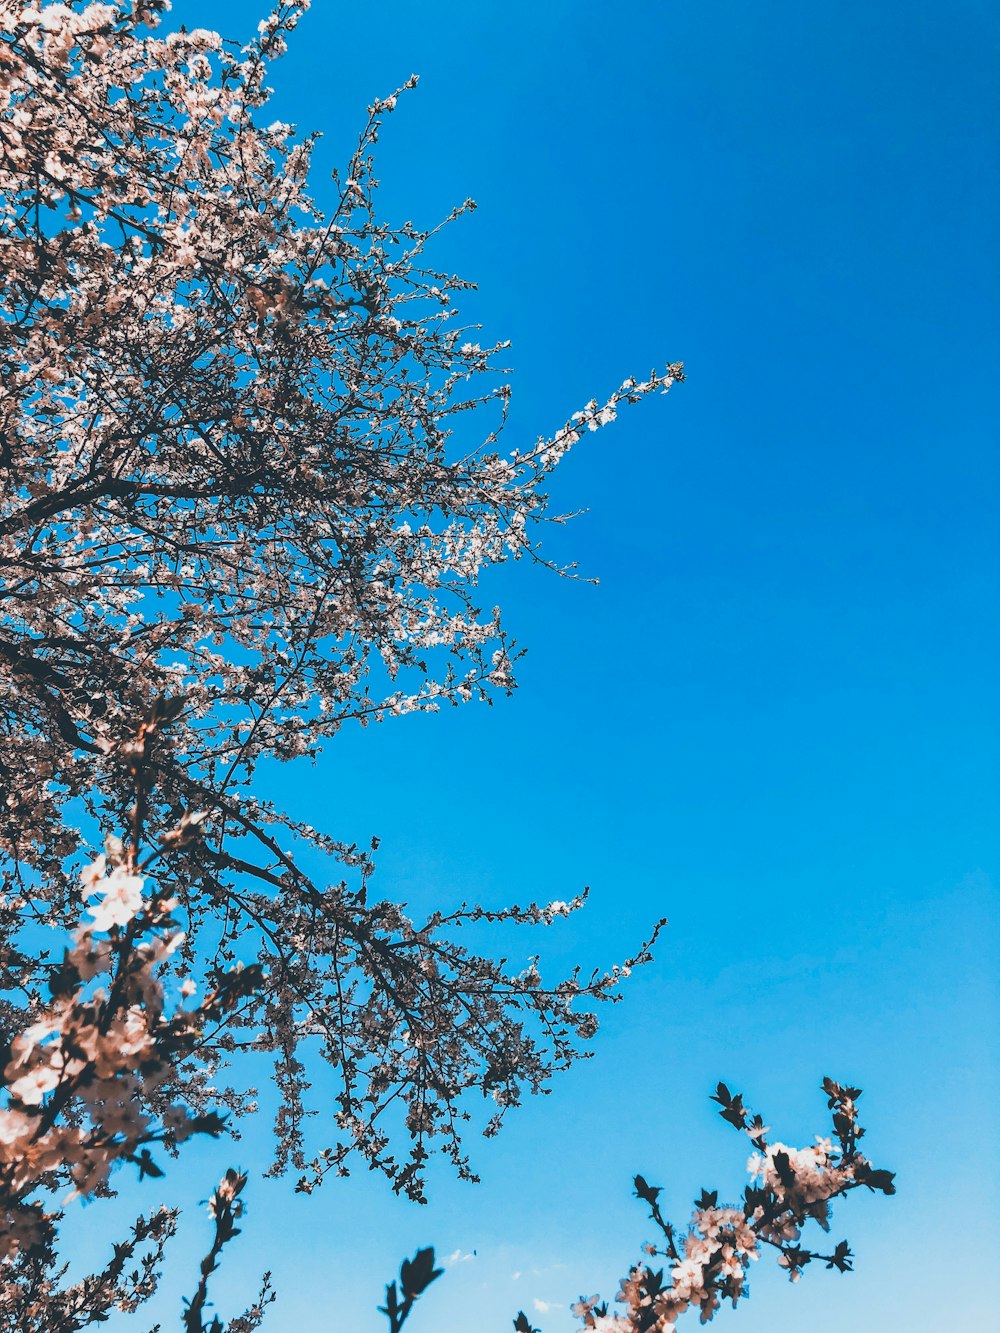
point(96, 1077)
point(709, 1263)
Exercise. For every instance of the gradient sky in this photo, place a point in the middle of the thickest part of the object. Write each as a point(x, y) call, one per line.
point(774, 720)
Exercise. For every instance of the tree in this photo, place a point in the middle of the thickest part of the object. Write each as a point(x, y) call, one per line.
point(246, 500)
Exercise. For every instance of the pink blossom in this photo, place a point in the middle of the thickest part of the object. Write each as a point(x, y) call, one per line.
point(121, 899)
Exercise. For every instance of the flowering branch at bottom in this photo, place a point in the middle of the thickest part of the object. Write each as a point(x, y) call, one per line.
point(709, 1263)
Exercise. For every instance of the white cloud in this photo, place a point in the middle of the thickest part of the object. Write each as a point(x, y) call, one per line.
point(458, 1257)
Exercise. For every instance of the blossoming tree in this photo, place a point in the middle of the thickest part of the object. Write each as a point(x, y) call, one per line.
point(251, 477)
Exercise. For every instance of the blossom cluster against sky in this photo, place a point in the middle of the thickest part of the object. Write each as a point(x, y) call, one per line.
point(774, 720)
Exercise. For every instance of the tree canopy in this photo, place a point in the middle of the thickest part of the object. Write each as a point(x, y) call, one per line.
point(251, 477)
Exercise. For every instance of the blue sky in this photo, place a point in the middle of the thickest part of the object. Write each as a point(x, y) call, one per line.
point(774, 720)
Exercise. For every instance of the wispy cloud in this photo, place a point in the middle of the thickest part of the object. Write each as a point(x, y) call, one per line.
point(458, 1257)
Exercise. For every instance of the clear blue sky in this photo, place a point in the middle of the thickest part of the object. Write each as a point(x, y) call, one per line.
point(775, 719)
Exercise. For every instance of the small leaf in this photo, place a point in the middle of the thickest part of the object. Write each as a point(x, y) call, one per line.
point(648, 1193)
point(146, 1165)
point(64, 978)
point(783, 1166)
point(841, 1258)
